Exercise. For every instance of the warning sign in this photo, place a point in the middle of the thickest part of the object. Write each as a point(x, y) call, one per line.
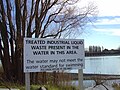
point(53, 54)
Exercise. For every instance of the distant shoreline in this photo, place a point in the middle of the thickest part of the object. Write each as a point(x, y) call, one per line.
point(96, 76)
point(101, 54)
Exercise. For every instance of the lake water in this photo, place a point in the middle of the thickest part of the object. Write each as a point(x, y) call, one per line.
point(100, 65)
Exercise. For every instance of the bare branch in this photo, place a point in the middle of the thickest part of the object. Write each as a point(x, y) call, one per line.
point(32, 15)
point(18, 17)
point(24, 17)
point(37, 19)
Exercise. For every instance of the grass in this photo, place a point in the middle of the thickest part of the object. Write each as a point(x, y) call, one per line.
point(62, 77)
point(36, 87)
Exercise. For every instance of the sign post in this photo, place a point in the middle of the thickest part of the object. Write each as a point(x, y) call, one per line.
point(27, 80)
point(42, 55)
point(80, 79)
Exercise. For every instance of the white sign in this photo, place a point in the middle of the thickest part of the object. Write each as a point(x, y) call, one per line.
point(53, 54)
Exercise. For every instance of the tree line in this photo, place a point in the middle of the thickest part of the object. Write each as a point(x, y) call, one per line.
point(37, 19)
point(100, 50)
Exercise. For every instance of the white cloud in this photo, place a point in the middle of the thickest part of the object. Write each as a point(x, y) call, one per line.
point(105, 7)
point(107, 21)
point(108, 7)
point(113, 32)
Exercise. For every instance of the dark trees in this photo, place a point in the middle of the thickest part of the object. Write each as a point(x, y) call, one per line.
point(39, 19)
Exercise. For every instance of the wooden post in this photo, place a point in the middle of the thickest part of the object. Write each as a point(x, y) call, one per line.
point(27, 80)
point(80, 79)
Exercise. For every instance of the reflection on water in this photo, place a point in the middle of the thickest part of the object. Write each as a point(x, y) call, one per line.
point(102, 65)
point(86, 83)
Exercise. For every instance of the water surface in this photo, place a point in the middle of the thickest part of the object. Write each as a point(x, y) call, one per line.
point(101, 65)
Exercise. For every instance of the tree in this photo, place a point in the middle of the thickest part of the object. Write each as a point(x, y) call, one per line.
point(39, 19)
